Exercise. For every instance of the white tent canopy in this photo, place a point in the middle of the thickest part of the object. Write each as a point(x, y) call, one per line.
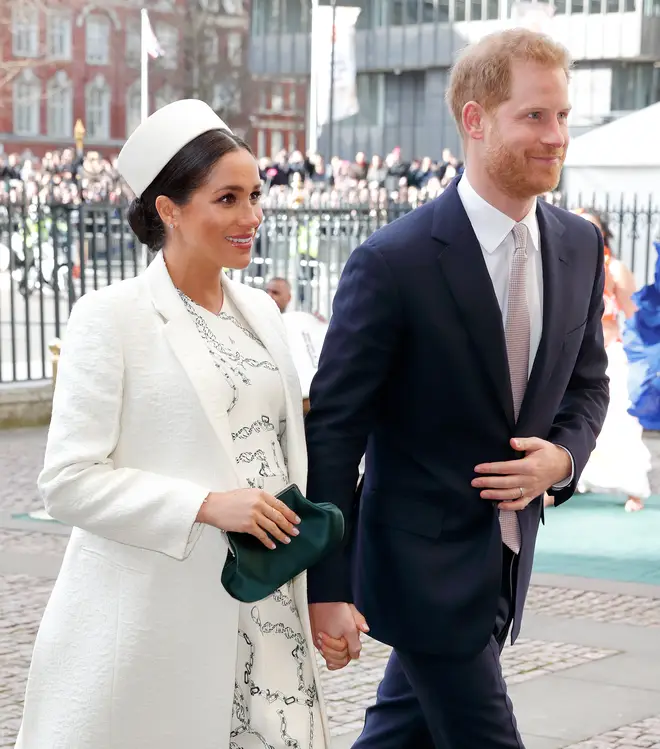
point(617, 167)
point(631, 141)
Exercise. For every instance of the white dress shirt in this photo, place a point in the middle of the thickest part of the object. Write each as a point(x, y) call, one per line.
point(494, 230)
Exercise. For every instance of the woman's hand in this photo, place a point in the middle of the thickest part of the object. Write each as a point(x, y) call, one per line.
point(250, 511)
point(336, 651)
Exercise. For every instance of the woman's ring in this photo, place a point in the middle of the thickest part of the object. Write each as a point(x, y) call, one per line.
point(522, 492)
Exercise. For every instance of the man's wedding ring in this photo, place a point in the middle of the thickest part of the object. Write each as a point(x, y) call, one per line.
point(522, 492)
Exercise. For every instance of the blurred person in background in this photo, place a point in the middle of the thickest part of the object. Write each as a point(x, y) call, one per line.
point(305, 332)
point(620, 462)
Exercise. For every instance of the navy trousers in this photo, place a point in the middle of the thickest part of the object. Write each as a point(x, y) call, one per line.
point(430, 702)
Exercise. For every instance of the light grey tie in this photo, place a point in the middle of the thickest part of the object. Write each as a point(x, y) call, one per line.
point(516, 333)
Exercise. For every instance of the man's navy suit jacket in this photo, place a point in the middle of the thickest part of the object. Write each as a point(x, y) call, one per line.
point(414, 370)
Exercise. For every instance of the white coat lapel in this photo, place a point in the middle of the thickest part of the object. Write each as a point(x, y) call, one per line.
point(262, 317)
point(191, 351)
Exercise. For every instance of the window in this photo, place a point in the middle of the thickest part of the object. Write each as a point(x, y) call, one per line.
point(133, 44)
point(611, 6)
point(652, 8)
point(27, 104)
point(412, 11)
point(58, 44)
point(492, 10)
point(405, 100)
point(261, 143)
point(292, 16)
point(97, 109)
point(396, 12)
point(443, 11)
point(594, 6)
point(293, 103)
point(277, 98)
point(475, 10)
point(292, 141)
point(168, 37)
point(634, 86)
point(629, 6)
point(263, 98)
point(164, 96)
point(428, 11)
point(231, 7)
point(226, 98)
point(405, 12)
point(235, 48)
point(211, 47)
point(59, 102)
point(276, 142)
point(258, 17)
point(25, 30)
point(577, 6)
point(133, 107)
point(371, 96)
point(97, 40)
point(560, 6)
point(459, 10)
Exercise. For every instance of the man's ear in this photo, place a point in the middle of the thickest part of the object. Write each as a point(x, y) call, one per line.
point(472, 119)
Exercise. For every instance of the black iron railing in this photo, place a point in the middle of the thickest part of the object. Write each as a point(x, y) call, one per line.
point(51, 253)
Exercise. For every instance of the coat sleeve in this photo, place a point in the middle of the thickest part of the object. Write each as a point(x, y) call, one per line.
point(79, 483)
point(584, 405)
point(356, 360)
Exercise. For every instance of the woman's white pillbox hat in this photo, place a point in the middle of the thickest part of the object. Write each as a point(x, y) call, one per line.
point(162, 135)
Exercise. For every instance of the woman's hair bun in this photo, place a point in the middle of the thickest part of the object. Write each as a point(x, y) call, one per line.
point(146, 224)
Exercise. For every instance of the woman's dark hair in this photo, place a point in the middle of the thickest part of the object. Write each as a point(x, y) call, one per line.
point(604, 224)
point(184, 173)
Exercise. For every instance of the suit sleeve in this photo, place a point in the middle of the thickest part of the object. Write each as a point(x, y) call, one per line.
point(357, 354)
point(584, 405)
point(79, 483)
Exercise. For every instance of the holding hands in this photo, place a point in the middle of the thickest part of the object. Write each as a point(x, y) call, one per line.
point(336, 628)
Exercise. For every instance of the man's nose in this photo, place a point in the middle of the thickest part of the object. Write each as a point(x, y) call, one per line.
point(556, 135)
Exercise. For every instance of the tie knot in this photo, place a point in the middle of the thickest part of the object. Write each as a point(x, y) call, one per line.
point(520, 236)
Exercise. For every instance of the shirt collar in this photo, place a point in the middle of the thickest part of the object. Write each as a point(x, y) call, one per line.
point(490, 225)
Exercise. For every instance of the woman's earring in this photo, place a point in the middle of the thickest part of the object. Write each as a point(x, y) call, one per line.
point(171, 226)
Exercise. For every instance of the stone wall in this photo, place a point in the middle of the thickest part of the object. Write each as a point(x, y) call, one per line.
point(24, 404)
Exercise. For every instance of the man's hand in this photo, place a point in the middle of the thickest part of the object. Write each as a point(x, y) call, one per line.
point(543, 466)
point(336, 629)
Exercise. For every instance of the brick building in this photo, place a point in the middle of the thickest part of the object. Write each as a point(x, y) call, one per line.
point(279, 115)
point(69, 60)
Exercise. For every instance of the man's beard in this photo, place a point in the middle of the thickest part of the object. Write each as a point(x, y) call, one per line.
point(520, 176)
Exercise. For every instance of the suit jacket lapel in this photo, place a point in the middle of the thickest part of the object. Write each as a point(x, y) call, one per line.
point(555, 288)
point(191, 351)
point(466, 274)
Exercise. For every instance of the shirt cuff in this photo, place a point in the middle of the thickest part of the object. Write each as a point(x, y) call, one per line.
point(563, 484)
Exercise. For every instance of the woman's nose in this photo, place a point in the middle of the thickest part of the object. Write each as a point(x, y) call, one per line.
point(252, 217)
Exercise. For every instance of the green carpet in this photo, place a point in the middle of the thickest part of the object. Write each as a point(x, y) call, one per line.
point(38, 516)
point(588, 536)
point(592, 536)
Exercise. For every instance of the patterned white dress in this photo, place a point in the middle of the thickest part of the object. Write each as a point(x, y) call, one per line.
point(276, 704)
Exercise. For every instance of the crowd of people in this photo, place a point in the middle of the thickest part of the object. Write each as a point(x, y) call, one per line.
point(61, 177)
point(293, 179)
point(290, 179)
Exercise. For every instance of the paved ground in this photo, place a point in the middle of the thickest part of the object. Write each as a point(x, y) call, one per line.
point(585, 675)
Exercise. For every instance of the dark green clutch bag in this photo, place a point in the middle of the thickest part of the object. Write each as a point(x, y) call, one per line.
point(252, 572)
